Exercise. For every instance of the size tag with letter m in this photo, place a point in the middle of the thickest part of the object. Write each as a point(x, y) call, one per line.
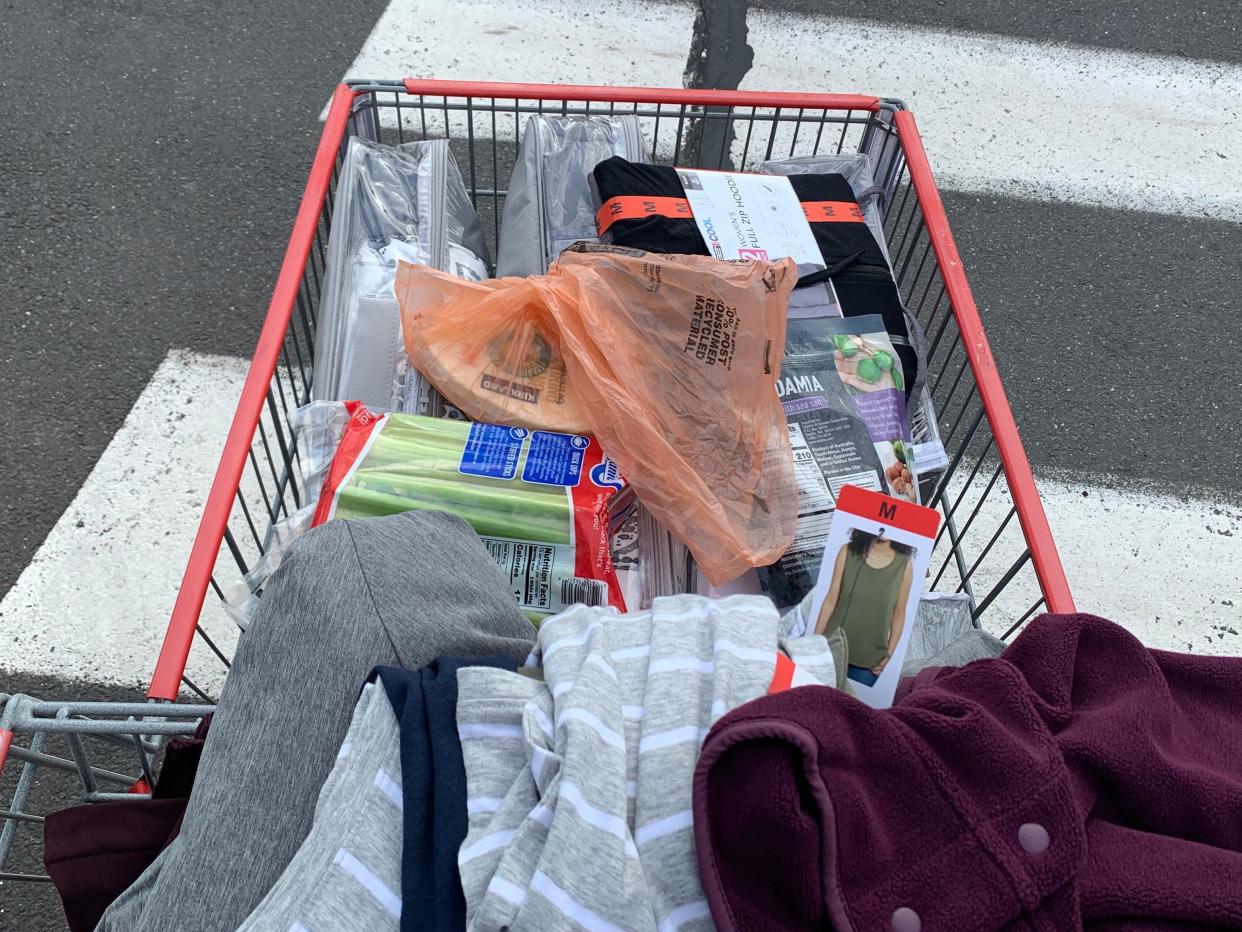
point(895, 512)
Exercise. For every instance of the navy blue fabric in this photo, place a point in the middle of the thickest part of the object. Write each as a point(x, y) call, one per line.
point(861, 675)
point(433, 781)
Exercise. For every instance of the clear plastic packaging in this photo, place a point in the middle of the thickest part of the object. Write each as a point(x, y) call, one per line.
point(841, 391)
point(746, 584)
point(550, 203)
point(942, 618)
point(650, 561)
point(317, 431)
point(670, 360)
point(404, 203)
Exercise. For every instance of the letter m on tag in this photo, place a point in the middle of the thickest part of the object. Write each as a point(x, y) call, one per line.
point(905, 516)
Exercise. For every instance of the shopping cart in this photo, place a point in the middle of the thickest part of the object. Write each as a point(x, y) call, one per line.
point(995, 544)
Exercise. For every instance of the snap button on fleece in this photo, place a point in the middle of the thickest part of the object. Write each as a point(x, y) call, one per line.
point(906, 920)
point(1033, 838)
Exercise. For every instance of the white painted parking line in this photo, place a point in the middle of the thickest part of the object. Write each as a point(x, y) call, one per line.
point(1168, 569)
point(1002, 115)
point(94, 601)
point(547, 41)
point(1032, 119)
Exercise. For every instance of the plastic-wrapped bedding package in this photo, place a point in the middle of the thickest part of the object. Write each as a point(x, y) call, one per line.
point(392, 202)
point(855, 167)
point(550, 203)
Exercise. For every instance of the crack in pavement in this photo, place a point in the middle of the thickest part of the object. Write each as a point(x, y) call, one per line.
point(719, 58)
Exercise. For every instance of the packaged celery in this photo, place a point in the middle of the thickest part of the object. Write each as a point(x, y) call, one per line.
point(538, 499)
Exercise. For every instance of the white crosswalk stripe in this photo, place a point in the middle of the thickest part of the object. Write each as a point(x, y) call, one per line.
point(1031, 119)
point(546, 41)
point(997, 114)
point(94, 601)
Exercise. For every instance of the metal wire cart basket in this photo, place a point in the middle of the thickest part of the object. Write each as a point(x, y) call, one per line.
point(994, 545)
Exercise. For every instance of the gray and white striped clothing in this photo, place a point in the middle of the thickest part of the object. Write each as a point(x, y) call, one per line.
point(347, 874)
point(579, 787)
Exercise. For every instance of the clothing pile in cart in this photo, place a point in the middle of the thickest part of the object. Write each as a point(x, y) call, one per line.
point(587, 624)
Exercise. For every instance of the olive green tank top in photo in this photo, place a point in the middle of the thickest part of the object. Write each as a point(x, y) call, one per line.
point(865, 606)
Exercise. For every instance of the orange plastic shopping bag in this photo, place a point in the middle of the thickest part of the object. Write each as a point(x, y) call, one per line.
point(671, 363)
point(481, 342)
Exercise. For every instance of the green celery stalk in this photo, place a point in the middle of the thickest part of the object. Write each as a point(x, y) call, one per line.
point(413, 464)
point(357, 502)
point(418, 482)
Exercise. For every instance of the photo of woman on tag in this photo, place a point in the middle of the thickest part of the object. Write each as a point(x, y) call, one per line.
point(869, 583)
point(870, 589)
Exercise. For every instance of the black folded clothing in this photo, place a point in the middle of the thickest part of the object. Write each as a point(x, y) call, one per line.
point(645, 207)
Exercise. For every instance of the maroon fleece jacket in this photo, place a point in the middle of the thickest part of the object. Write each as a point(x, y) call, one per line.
point(1080, 780)
point(93, 852)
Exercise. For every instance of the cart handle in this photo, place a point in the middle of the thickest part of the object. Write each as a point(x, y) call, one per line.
point(1031, 516)
point(640, 95)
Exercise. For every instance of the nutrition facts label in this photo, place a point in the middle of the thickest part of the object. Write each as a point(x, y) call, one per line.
point(542, 575)
point(799, 565)
point(813, 492)
point(529, 568)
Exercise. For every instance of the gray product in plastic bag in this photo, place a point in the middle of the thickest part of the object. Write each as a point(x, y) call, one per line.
point(550, 203)
point(649, 561)
point(971, 646)
point(929, 453)
point(392, 202)
point(942, 618)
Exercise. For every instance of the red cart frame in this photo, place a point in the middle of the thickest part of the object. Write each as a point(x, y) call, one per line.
point(258, 482)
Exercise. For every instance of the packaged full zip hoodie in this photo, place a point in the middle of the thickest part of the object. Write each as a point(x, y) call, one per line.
point(645, 207)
